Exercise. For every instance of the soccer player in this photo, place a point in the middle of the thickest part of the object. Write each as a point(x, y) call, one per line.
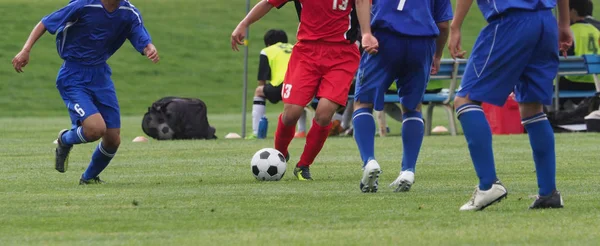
point(88, 32)
point(412, 36)
point(517, 51)
point(323, 64)
point(272, 66)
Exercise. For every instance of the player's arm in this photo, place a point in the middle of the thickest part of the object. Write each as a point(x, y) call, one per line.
point(564, 31)
point(440, 43)
point(462, 8)
point(50, 23)
point(141, 40)
point(442, 15)
point(363, 12)
point(258, 11)
point(264, 70)
point(22, 58)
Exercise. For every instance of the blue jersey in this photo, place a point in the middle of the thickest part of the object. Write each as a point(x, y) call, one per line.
point(491, 8)
point(411, 17)
point(87, 34)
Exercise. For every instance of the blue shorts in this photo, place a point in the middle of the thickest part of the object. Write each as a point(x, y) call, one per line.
point(88, 90)
point(404, 59)
point(517, 52)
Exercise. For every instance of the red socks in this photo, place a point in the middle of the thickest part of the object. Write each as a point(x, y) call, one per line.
point(283, 136)
point(314, 143)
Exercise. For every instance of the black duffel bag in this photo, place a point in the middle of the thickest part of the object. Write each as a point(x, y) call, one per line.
point(173, 118)
point(576, 115)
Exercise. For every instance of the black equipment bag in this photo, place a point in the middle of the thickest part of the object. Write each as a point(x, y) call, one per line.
point(576, 115)
point(173, 118)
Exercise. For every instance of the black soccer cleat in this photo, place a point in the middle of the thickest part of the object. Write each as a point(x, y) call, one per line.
point(61, 154)
point(553, 200)
point(302, 173)
point(93, 181)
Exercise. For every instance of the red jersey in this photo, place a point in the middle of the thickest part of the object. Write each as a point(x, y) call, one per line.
point(333, 21)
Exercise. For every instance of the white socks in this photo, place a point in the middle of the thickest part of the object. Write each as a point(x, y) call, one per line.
point(258, 110)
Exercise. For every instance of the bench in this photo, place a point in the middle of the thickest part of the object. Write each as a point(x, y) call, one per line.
point(573, 65)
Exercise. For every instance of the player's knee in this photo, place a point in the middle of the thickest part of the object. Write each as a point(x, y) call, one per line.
point(94, 127)
point(259, 92)
point(323, 118)
point(358, 105)
point(459, 101)
point(530, 109)
point(291, 114)
point(405, 110)
point(93, 133)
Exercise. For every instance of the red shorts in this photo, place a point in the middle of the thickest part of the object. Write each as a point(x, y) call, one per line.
point(321, 70)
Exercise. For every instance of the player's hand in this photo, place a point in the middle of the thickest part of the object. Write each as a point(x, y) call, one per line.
point(238, 36)
point(20, 61)
point(565, 40)
point(151, 52)
point(370, 43)
point(454, 44)
point(435, 65)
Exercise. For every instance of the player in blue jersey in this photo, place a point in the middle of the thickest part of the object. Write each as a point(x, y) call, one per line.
point(516, 52)
point(412, 35)
point(88, 32)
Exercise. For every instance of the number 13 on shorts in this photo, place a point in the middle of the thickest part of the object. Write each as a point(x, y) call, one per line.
point(287, 89)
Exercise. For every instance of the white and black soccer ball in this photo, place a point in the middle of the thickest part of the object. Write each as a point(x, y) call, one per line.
point(268, 165)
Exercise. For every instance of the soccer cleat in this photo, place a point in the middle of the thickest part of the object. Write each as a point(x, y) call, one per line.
point(302, 173)
point(551, 201)
point(250, 137)
point(348, 132)
point(95, 180)
point(61, 157)
point(369, 181)
point(404, 181)
point(300, 135)
point(336, 128)
point(484, 198)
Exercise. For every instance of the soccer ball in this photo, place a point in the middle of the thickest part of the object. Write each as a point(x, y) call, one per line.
point(268, 165)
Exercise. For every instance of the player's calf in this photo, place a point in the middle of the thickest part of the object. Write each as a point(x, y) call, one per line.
point(104, 153)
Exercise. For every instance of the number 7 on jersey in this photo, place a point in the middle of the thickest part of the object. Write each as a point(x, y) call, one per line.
point(401, 5)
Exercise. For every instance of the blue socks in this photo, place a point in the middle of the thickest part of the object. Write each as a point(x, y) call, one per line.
point(73, 136)
point(413, 130)
point(541, 138)
point(100, 160)
point(479, 139)
point(364, 133)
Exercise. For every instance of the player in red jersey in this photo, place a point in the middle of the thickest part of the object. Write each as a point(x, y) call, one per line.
point(322, 65)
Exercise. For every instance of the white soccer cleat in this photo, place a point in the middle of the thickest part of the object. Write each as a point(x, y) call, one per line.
point(404, 181)
point(371, 173)
point(484, 198)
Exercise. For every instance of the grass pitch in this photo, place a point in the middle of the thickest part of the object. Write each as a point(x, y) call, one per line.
point(203, 193)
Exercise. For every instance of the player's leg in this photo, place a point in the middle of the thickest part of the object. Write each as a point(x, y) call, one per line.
point(87, 123)
point(108, 106)
point(411, 84)
point(301, 132)
point(258, 110)
point(337, 75)
point(300, 86)
point(536, 89)
point(375, 74)
point(500, 55)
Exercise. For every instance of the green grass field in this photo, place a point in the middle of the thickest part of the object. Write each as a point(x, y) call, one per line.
point(203, 192)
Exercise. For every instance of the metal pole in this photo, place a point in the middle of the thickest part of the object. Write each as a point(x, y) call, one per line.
point(245, 91)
